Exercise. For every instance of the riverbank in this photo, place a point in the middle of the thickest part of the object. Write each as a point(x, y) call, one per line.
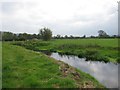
point(99, 70)
point(92, 49)
point(24, 68)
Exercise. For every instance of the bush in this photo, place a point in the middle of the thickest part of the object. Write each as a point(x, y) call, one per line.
point(81, 54)
point(91, 55)
point(102, 58)
point(118, 59)
point(91, 52)
point(95, 56)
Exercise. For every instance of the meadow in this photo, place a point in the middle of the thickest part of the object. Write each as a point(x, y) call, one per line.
point(23, 68)
point(92, 49)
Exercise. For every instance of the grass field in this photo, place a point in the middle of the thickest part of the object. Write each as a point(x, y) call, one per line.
point(92, 49)
point(24, 68)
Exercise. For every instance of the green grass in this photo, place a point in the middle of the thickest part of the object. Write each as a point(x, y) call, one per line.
point(24, 68)
point(106, 49)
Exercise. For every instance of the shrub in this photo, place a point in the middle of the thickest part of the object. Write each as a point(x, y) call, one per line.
point(103, 58)
point(118, 59)
point(81, 54)
point(91, 52)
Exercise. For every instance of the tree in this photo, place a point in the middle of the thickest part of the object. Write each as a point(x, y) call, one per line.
point(22, 36)
point(84, 36)
point(102, 33)
point(0, 36)
point(7, 36)
point(71, 37)
point(66, 36)
point(45, 34)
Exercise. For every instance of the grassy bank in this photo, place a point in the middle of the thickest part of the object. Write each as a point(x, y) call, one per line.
point(24, 68)
point(92, 49)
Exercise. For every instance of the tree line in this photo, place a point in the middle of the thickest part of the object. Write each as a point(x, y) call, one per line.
point(9, 36)
point(46, 34)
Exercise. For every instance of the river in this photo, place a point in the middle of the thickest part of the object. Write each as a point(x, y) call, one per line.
point(105, 73)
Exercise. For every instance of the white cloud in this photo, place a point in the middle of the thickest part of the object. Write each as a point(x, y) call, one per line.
point(62, 16)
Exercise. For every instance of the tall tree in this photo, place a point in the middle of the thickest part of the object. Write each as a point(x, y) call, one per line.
point(102, 33)
point(45, 33)
point(66, 36)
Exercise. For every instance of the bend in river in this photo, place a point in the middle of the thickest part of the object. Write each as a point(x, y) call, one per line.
point(106, 73)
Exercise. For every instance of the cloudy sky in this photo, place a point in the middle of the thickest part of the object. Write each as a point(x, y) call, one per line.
point(71, 17)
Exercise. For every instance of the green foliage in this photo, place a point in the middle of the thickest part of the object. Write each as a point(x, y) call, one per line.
point(92, 49)
point(118, 59)
point(102, 34)
point(33, 44)
point(81, 54)
point(45, 33)
point(8, 36)
point(91, 54)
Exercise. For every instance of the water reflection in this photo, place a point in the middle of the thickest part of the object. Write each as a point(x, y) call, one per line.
point(106, 73)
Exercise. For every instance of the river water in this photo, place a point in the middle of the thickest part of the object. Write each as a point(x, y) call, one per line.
point(105, 73)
